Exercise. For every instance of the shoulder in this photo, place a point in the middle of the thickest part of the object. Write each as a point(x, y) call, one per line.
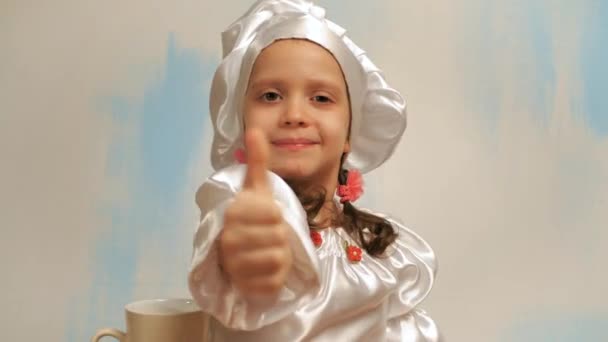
point(410, 242)
point(409, 247)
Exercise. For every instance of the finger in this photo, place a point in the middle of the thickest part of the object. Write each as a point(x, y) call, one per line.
point(257, 161)
point(263, 285)
point(251, 207)
point(260, 263)
point(241, 239)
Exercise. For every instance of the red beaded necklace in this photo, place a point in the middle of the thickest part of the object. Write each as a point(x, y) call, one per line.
point(353, 252)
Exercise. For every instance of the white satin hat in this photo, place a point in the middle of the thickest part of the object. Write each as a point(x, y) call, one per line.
point(378, 111)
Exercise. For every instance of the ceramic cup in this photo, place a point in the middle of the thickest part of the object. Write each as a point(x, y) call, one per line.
point(160, 320)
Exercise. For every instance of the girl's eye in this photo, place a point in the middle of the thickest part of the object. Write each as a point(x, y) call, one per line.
point(270, 96)
point(322, 99)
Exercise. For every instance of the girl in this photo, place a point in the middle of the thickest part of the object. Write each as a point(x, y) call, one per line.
point(281, 253)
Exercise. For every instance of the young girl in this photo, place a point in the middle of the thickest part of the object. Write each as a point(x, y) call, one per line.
point(281, 253)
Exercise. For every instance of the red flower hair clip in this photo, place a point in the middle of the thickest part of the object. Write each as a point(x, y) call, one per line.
point(353, 188)
point(240, 156)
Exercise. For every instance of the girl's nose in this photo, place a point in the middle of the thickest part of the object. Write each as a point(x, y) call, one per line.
point(294, 114)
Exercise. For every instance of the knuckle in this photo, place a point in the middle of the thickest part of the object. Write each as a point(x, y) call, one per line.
point(281, 235)
point(229, 242)
point(231, 212)
point(236, 267)
point(275, 261)
point(274, 212)
point(243, 287)
point(231, 269)
point(275, 284)
point(226, 238)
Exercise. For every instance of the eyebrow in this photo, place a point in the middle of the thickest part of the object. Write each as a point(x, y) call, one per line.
point(317, 82)
point(265, 82)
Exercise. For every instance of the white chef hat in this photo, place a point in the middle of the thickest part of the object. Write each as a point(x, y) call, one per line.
point(378, 116)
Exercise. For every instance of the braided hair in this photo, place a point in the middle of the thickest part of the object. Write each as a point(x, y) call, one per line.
point(373, 233)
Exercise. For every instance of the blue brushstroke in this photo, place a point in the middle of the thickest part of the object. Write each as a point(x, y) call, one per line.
point(594, 66)
point(480, 44)
point(488, 54)
point(540, 99)
point(588, 327)
point(152, 165)
point(174, 112)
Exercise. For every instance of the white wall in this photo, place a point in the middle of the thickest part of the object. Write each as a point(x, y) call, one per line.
point(104, 138)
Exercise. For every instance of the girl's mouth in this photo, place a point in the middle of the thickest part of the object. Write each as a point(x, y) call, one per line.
point(294, 144)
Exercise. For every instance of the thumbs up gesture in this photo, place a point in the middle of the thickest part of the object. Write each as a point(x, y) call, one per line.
point(254, 248)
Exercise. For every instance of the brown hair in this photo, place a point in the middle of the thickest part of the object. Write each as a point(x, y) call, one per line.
point(373, 233)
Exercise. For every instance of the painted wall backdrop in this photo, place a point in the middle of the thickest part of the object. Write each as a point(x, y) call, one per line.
point(104, 138)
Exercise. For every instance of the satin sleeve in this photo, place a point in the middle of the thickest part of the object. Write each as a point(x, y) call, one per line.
point(209, 286)
point(415, 266)
point(415, 326)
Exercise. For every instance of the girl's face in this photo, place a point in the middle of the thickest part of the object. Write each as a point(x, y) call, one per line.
point(297, 96)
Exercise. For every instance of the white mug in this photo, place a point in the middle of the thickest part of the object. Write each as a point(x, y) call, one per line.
point(161, 320)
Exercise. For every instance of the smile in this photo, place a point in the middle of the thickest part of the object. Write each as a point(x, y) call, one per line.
point(294, 144)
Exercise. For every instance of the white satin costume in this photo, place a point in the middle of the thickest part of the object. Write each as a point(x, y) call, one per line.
point(326, 296)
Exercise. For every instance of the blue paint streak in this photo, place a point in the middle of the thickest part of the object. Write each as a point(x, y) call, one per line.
point(594, 66)
point(152, 165)
point(489, 54)
point(540, 98)
point(587, 327)
point(479, 44)
point(172, 124)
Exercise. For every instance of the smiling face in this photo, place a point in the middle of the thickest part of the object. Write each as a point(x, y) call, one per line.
point(298, 97)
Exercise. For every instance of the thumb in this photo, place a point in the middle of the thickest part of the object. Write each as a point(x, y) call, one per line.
point(257, 161)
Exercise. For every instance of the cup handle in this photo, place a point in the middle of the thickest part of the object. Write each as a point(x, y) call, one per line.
point(119, 335)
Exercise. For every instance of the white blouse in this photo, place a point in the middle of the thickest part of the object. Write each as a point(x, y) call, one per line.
point(326, 296)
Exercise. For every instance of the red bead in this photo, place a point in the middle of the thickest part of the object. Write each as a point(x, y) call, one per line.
point(317, 239)
point(354, 253)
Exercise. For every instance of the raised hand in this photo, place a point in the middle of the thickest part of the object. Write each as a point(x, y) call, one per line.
point(254, 248)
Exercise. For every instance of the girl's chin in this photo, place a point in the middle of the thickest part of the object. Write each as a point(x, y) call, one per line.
point(289, 173)
point(294, 172)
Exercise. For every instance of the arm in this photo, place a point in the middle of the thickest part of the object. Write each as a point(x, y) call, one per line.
point(211, 288)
